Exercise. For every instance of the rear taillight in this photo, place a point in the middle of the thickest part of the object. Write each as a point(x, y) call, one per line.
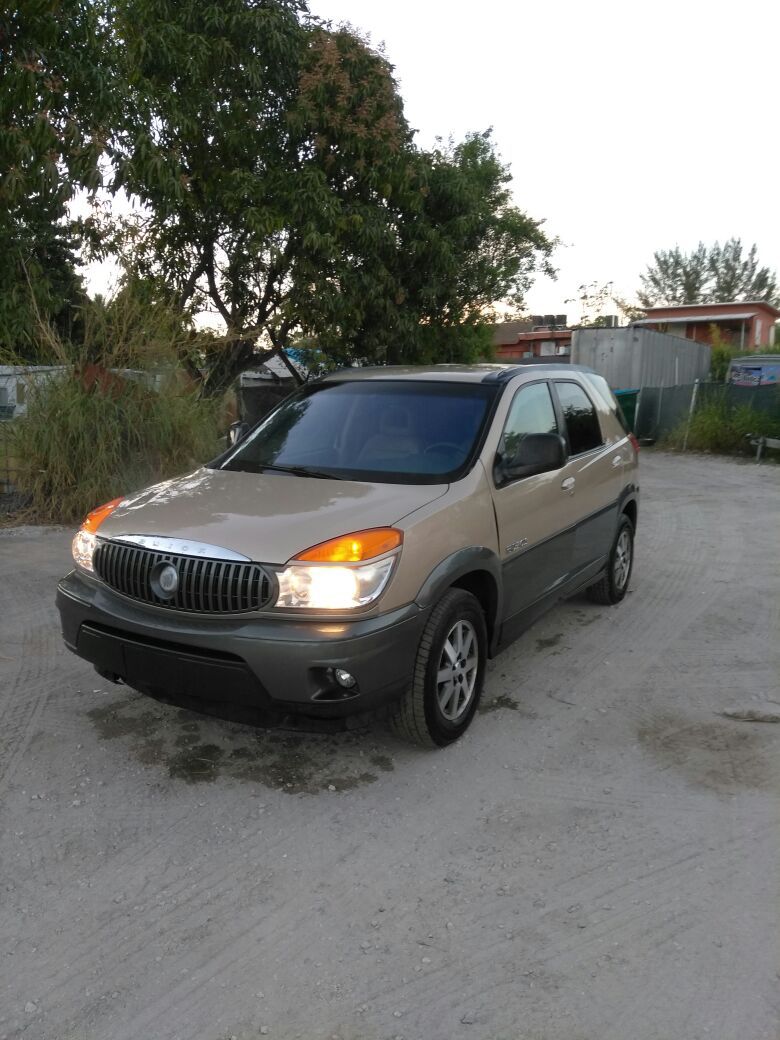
point(634, 442)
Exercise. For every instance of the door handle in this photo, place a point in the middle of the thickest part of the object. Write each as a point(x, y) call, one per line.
point(568, 485)
point(617, 461)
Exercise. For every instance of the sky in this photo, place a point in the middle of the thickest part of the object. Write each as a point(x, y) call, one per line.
point(629, 126)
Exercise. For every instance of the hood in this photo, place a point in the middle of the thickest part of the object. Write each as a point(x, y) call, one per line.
point(268, 517)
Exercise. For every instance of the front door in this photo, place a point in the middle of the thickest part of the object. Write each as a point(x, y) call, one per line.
point(534, 543)
point(590, 478)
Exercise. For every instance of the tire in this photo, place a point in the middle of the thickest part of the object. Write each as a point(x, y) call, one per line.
point(433, 713)
point(613, 586)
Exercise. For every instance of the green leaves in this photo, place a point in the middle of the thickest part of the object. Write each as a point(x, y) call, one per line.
point(715, 274)
point(276, 176)
point(59, 92)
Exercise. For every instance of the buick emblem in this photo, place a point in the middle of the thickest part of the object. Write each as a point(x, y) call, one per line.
point(166, 581)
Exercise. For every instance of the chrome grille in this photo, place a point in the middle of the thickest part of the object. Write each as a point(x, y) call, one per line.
point(204, 586)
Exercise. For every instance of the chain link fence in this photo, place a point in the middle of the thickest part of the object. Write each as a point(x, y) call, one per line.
point(662, 409)
point(10, 498)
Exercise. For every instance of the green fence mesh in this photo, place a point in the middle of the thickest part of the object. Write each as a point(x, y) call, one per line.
point(659, 410)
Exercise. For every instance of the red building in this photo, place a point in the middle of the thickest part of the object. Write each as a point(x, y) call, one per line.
point(745, 326)
point(521, 340)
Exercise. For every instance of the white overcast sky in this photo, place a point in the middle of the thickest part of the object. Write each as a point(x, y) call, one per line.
point(629, 125)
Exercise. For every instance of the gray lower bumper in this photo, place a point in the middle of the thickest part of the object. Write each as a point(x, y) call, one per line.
point(272, 664)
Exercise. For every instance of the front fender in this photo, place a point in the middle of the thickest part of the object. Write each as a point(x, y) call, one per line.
point(485, 567)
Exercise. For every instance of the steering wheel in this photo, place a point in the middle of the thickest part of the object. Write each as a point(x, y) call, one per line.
point(441, 445)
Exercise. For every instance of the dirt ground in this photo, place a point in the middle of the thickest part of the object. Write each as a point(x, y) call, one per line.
point(596, 860)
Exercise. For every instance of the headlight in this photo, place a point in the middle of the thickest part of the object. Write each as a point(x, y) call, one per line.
point(332, 576)
point(83, 549)
point(326, 587)
point(85, 542)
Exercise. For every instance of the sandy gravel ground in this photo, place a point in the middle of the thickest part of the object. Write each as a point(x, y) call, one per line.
point(596, 860)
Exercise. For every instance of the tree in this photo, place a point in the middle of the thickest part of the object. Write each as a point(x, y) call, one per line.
point(466, 249)
point(421, 282)
point(39, 281)
point(206, 147)
point(738, 277)
point(717, 274)
point(58, 94)
point(282, 190)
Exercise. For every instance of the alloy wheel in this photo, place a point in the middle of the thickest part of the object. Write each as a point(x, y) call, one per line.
point(456, 678)
point(622, 563)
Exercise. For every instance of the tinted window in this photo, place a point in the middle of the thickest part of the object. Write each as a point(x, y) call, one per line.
point(582, 423)
point(380, 430)
point(601, 387)
point(531, 412)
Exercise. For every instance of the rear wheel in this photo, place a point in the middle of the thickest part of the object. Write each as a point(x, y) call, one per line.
point(613, 586)
point(448, 675)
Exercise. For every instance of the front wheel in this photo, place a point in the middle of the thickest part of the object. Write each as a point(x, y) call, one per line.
point(613, 586)
point(448, 674)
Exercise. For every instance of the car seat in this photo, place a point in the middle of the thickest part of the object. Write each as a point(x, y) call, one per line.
point(395, 440)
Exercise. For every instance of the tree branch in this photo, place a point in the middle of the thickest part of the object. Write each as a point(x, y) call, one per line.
point(189, 286)
point(278, 338)
point(216, 299)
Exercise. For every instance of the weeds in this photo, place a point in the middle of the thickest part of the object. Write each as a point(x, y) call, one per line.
point(118, 414)
point(722, 427)
point(78, 446)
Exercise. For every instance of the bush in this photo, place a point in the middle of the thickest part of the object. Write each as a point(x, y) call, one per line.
point(119, 414)
point(719, 426)
point(78, 446)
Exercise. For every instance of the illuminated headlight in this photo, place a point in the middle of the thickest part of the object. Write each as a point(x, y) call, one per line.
point(83, 548)
point(331, 587)
point(85, 542)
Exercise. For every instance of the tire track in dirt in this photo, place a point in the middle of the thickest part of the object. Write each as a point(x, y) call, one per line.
point(28, 640)
point(21, 713)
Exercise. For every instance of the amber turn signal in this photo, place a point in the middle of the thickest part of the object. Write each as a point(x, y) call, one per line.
point(352, 548)
point(97, 516)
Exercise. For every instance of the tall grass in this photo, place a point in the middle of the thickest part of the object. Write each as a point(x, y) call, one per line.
point(721, 427)
point(95, 431)
point(78, 447)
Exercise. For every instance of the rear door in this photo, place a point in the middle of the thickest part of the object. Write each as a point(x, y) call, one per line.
point(589, 479)
point(534, 544)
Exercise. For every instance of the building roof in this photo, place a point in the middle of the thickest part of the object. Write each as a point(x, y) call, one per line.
point(506, 332)
point(725, 303)
point(700, 318)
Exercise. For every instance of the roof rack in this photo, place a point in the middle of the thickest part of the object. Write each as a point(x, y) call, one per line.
point(505, 374)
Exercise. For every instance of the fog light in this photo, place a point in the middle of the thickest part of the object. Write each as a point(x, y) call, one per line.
point(344, 678)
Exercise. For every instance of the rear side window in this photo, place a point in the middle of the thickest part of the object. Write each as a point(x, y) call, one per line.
point(531, 412)
point(601, 388)
point(579, 413)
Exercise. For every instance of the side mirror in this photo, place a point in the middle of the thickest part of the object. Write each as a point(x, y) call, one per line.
point(237, 431)
point(536, 453)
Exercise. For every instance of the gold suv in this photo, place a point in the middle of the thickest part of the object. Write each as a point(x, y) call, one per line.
point(372, 541)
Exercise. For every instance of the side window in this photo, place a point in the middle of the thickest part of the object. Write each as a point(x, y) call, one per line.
point(582, 422)
point(531, 412)
point(601, 388)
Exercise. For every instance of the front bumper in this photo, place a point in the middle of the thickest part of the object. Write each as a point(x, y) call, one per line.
point(267, 665)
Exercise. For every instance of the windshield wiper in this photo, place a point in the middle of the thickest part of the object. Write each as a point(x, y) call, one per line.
point(300, 471)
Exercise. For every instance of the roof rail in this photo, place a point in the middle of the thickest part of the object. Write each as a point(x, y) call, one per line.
point(505, 374)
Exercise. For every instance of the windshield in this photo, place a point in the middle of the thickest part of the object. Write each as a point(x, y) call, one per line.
point(383, 431)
